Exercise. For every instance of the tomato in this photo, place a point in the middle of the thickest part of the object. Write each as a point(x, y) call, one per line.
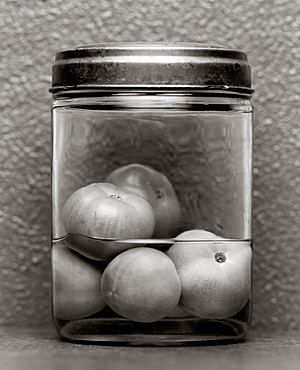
point(76, 284)
point(197, 234)
point(106, 211)
point(155, 187)
point(215, 276)
point(141, 284)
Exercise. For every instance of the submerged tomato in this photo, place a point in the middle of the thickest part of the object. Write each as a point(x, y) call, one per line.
point(215, 276)
point(141, 284)
point(76, 284)
point(106, 211)
point(155, 187)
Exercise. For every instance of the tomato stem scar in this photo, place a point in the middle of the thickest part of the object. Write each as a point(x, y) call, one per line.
point(160, 195)
point(220, 257)
point(116, 196)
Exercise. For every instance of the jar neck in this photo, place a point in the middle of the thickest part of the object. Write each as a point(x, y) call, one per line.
point(205, 91)
point(158, 99)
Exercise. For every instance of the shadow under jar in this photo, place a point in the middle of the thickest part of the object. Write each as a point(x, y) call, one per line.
point(151, 194)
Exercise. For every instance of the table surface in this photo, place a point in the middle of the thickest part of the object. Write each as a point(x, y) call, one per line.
point(41, 349)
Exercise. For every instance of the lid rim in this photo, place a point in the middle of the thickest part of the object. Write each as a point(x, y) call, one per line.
point(222, 88)
point(170, 65)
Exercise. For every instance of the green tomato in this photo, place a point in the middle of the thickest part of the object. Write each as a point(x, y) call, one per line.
point(215, 276)
point(106, 211)
point(154, 187)
point(141, 284)
point(76, 284)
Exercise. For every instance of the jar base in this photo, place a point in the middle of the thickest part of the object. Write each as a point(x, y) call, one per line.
point(184, 332)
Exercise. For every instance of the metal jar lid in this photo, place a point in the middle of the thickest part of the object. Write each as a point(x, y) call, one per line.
point(151, 66)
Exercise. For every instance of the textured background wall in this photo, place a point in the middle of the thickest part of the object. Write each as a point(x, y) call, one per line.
point(33, 30)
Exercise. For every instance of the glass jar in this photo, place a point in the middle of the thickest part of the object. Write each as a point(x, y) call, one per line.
point(151, 194)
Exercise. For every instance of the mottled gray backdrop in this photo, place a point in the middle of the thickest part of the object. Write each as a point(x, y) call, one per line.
point(33, 30)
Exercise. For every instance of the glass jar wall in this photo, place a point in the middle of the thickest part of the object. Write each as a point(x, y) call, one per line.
point(151, 214)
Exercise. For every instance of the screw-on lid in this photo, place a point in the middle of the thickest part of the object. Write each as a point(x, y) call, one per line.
point(154, 65)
